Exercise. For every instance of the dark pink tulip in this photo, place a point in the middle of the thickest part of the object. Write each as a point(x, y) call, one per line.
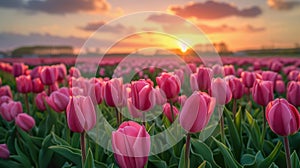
point(4, 152)
point(40, 101)
point(5, 99)
point(262, 92)
point(248, 78)
point(74, 72)
point(221, 91)
point(25, 122)
point(143, 96)
point(37, 85)
point(170, 84)
point(280, 86)
point(269, 76)
point(24, 84)
point(167, 112)
point(81, 114)
point(293, 93)
point(192, 67)
point(276, 66)
point(229, 70)
point(283, 118)
point(113, 92)
point(48, 75)
point(218, 70)
point(95, 92)
point(131, 145)
point(61, 72)
point(10, 110)
point(134, 112)
point(293, 75)
point(181, 99)
point(204, 77)
point(5, 91)
point(19, 69)
point(236, 86)
point(58, 100)
point(256, 65)
point(196, 112)
point(35, 72)
point(239, 72)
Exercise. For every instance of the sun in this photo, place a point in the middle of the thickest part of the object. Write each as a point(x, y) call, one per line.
point(183, 47)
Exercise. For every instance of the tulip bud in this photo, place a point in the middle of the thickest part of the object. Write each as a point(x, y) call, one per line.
point(40, 101)
point(37, 85)
point(81, 114)
point(5, 99)
point(280, 86)
point(61, 72)
point(5, 91)
point(58, 100)
point(293, 75)
point(131, 145)
point(143, 97)
point(196, 112)
point(74, 72)
point(170, 84)
point(35, 72)
point(4, 152)
point(19, 69)
point(221, 91)
point(168, 113)
point(10, 110)
point(24, 84)
point(262, 92)
point(236, 86)
point(283, 118)
point(248, 78)
point(25, 122)
point(113, 92)
point(160, 97)
point(48, 75)
point(229, 70)
point(293, 93)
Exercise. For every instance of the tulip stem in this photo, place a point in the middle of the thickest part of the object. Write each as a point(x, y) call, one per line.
point(118, 116)
point(187, 150)
point(172, 111)
point(82, 145)
point(264, 127)
point(144, 119)
point(27, 103)
point(287, 152)
point(222, 132)
point(234, 108)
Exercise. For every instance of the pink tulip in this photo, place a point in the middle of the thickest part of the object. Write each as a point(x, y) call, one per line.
point(229, 70)
point(283, 118)
point(24, 84)
point(5, 91)
point(37, 85)
point(276, 66)
point(95, 92)
point(160, 97)
point(293, 75)
point(196, 112)
point(10, 110)
point(113, 92)
point(280, 86)
point(239, 72)
point(143, 96)
point(134, 112)
point(81, 114)
point(5, 99)
point(293, 93)
point(170, 84)
point(19, 69)
point(58, 100)
point(25, 122)
point(131, 145)
point(248, 78)
point(74, 72)
point(203, 79)
point(35, 72)
point(236, 86)
point(40, 101)
point(48, 75)
point(262, 92)
point(269, 76)
point(218, 70)
point(167, 112)
point(192, 67)
point(221, 91)
point(181, 99)
point(61, 72)
point(4, 152)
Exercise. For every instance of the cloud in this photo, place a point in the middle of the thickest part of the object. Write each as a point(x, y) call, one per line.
point(108, 28)
point(282, 4)
point(214, 10)
point(57, 6)
point(164, 19)
point(12, 40)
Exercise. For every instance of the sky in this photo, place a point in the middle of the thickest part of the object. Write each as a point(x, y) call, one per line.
point(132, 25)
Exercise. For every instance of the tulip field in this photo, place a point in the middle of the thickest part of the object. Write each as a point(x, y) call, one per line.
point(150, 112)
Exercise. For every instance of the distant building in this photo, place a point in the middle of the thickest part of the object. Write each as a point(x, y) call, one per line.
point(43, 51)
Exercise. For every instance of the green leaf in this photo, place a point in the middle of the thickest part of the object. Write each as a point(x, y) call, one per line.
point(203, 150)
point(72, 154)
point(22, 158)
point(235, 137)
point(157, 162)
point(268, 161)
point(253, 131)
point(9, 164)
point(203, 164)
point(182, 161)
point(45, 154)
point(89, 162)
point(238, 120)
point(295, 160)
point(228, 157)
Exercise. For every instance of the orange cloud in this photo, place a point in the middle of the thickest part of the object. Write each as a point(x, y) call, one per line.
point(282, 4)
